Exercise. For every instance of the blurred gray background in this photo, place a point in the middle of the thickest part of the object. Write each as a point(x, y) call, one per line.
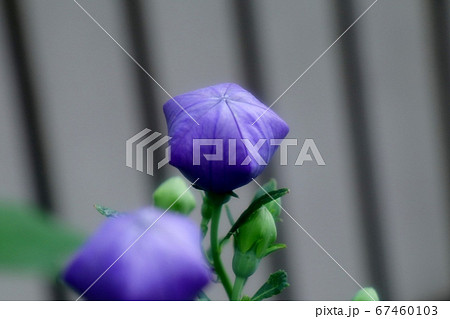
point(376, 104)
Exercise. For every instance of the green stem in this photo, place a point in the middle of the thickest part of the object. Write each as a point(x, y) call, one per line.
point(215, 208)
point(239, 283)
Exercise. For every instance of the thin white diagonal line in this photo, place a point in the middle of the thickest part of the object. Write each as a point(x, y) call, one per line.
point(136, 240)
point(133, 59)
point(315, 61)
point(316, 242)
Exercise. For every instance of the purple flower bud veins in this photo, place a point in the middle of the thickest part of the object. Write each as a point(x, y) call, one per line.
point(166, 263)
point(225, 113)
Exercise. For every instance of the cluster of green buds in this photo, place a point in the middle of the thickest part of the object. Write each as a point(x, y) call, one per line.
point(254, 232)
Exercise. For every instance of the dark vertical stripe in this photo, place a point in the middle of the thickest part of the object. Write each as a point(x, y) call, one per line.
point(356, 106)
point(28, 107)
point(249, 47)
point(440, 37)
point(142, 50)
point(250, 51)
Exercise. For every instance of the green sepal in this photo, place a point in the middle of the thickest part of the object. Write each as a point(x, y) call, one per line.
point(274, 206)
point(246, 298)
point(366, 294)
point(254, 206)
point(274, 248)
point(105, 211)
point(229, 215)
point(197, 187)
point(233, 194)
point(276, 283)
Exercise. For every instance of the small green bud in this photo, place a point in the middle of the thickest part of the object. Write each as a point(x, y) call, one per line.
point(167, 196)
point(366, 294)
point(252, 241)
point(258, 233)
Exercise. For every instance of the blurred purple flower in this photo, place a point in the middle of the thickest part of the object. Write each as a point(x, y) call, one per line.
point(166, 263)
point(226, 112)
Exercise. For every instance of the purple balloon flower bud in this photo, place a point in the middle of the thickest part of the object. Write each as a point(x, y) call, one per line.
point(224, 136)
point(166, 263)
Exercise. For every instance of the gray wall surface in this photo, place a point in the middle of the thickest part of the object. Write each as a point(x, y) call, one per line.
point(89, 107)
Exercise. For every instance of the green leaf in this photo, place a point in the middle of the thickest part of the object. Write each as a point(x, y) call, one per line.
point(254, 206)
point(233, 194)
point(105, 211)
point(271, 185)
point(274, 207)
point(31, 241)
point(276, 283)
